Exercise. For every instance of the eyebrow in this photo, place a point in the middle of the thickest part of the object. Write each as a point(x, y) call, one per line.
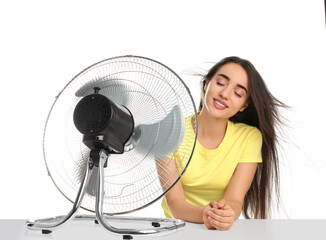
point(227, 78)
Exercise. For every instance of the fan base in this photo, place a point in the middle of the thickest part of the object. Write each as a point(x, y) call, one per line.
point(159, 225)
point(49, 224)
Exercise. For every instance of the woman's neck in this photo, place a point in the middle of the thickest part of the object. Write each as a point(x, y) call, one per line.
point(211, 131)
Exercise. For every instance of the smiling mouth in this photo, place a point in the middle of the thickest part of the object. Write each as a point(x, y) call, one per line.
point(220, 104)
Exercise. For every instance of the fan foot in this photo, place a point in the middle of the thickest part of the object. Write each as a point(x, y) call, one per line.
point(45, 231)
point(156, 224)
point(127, 237)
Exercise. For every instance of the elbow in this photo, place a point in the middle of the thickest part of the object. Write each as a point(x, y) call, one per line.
point(175, 207)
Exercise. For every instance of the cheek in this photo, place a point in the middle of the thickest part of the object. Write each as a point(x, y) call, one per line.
point(206, 98)
point(208, 92)
point(240, 103)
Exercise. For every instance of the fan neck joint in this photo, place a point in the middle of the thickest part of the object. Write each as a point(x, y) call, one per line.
point(98, 156)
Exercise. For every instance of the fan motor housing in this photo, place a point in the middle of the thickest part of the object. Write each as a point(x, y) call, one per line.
point(103, 123)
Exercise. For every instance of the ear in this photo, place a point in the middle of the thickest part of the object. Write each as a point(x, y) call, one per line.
point(244, 107)
point(205, 85)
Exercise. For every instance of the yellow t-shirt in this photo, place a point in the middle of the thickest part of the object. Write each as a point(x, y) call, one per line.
point(210, 171)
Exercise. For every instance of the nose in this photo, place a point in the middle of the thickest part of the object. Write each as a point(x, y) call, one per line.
point(225, 93)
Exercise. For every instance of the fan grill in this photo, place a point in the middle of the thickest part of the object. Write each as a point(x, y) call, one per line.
point(136, 178)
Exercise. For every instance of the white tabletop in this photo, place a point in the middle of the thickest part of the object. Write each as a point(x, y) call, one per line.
point(242, 229)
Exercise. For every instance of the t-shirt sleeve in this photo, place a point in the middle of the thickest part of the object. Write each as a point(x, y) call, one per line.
point(252, 147)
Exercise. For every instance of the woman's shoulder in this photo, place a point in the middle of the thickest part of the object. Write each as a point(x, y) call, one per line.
point(244, 129)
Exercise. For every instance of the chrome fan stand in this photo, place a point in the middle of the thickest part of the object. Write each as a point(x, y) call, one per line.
point(46, 225)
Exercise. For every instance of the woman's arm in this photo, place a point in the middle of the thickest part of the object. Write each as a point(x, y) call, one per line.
point(239, 186)
point(175, 198)
point(219, 215)
point(226, 211)
point(180, 208)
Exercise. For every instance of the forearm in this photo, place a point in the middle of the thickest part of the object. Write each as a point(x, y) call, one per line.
point(183, 210)
point(236, 206)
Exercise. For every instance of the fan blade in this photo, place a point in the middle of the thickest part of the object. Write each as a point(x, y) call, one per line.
point(163, 137)
point(113, 89)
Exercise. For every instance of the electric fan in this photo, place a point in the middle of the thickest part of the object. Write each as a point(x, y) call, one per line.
point(119, 135)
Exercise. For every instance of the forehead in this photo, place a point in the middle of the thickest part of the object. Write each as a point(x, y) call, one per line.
point(235, 72)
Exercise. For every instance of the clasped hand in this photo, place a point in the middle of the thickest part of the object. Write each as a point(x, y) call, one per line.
point(218, 215)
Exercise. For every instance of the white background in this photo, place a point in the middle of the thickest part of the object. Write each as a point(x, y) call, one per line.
point(43, 45)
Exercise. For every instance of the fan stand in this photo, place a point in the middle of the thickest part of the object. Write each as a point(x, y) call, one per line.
point(46, 225)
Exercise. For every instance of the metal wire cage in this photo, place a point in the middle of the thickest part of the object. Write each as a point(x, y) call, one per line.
point(151, 163)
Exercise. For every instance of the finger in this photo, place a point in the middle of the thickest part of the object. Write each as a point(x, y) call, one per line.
point(219, 225)
point(222, 203)
point(222, 212)
point(221, 219)
point(213, 204)
point(224, 219)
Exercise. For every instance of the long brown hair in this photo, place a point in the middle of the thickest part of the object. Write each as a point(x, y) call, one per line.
point(262, 112)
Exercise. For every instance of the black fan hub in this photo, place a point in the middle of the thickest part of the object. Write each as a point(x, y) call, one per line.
point(104, 124)
point(92, 114)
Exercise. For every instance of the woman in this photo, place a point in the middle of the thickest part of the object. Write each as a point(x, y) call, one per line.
point(235, 163)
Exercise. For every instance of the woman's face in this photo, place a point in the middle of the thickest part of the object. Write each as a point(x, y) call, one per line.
point(227, 92)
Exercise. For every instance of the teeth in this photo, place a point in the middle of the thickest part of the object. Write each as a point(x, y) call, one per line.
point(220, 104)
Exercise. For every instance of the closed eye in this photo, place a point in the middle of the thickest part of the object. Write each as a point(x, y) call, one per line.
point(237, 94)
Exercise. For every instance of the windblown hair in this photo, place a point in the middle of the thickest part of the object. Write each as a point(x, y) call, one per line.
point(262, 112)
